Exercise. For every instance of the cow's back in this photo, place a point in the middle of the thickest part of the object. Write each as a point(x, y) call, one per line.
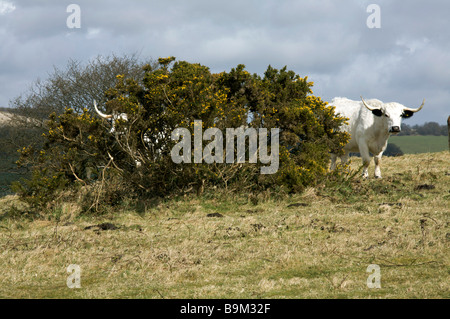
point(349, 109)
point(359, 119)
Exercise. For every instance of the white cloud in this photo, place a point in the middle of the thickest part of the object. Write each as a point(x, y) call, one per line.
point(93, 33)
point(412, 45)
point(6, 7)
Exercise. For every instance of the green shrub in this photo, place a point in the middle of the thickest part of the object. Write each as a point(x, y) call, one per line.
point(136, 158)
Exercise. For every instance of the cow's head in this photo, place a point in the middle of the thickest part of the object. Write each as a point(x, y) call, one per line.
point(392, 113)
point(113, 117)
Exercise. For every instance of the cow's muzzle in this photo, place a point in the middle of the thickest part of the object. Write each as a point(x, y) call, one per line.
point(394, 129)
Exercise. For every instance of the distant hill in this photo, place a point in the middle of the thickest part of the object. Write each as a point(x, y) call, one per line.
point(11, 118)
point(5, 117)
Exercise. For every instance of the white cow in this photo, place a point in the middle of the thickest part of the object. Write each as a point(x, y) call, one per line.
point(115, 117)
point(145, 137)
point(370, 125)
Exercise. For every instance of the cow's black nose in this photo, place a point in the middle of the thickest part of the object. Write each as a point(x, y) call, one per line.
point(395, 129)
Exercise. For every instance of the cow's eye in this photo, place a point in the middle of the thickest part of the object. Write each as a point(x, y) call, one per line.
point(407, 114)
point(377, 112)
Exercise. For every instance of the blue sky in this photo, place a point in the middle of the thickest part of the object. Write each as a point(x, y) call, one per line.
point(405, 60)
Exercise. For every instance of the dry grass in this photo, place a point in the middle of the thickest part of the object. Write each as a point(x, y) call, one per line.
point(318, 248)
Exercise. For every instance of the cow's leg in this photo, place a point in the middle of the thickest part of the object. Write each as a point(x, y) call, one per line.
point(377, 159)
point(333, 162)
point(365, 155)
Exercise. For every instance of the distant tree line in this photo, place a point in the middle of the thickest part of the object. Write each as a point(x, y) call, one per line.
point(429, 128)
point(8, 110)
point(393, 150)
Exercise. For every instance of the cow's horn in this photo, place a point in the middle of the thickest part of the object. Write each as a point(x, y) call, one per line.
point(100, 113)
point(415, 110)
point(368, 107)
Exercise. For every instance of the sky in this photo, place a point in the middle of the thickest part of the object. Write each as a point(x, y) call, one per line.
point(398, 51)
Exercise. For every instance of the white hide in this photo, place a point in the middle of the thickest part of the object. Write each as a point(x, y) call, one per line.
point(124, 117)
point(369, 128)
point(114, 118)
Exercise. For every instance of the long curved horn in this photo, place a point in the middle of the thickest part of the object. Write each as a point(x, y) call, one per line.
point(100, 113)
point(415, 110)
point(368, 107)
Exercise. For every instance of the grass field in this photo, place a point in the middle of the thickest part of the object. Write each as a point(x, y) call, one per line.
point(318, 244)
point(415, 144)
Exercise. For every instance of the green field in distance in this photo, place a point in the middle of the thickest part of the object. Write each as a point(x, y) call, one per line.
point(414, 144)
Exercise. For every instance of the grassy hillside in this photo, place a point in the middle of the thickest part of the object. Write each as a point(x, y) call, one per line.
point(315, 245)
point(415, 144)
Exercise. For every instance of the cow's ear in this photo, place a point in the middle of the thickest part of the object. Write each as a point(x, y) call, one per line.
point(407, 114)
point(377, 112)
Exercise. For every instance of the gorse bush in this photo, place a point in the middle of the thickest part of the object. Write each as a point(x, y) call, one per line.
point(131, 154)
